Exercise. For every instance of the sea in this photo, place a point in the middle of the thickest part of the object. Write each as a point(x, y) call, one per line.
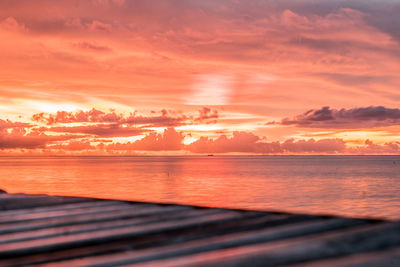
point(357, 186)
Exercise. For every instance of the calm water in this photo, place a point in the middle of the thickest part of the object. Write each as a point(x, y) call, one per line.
point(347, 185)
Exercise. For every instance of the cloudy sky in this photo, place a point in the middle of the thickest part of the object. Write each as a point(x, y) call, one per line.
point(188, 76)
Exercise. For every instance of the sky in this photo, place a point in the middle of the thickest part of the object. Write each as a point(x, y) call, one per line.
point(180, 77)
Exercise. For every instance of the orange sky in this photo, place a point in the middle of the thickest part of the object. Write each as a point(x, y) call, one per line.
point(182, 77)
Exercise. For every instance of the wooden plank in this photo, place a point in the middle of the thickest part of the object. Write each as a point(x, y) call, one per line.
point(303, 249)
point(130, 232)
point(215, 243)
point(242, 223)
point(48, 215)
point(36, 201)
point(381, 258)
point(65, 207)
point(88, 218)
point(106, 225)
point(8, 196)
point(68, 231)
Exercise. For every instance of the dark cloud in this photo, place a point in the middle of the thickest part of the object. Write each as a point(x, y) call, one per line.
point(19, 138)
point(353, 79)
point(99, 130)
point(163, 118)
point(373, 116)
point(92, 115)
point(206, 114)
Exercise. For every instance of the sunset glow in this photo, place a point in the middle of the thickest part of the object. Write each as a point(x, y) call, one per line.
point(119, 77)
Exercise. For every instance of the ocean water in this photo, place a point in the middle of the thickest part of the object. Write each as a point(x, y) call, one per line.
point(360, 186)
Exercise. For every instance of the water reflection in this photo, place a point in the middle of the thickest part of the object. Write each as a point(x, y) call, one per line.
point(348, 185)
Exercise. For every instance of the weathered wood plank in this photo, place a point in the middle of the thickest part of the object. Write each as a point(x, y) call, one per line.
point(381, 258)
point(68, 231)
point(302, 249)
point(86, 204)
point(88, 218)
point(215, 243)
point(36, 201)
point(30, 217)
point(243, 223)
point(88, 238)
point(107, 225)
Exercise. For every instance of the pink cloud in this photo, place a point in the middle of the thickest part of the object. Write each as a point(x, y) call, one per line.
point(206, 114)
point(88, 46)
point(99, 26)
point(17, 135)
point(250, 143)
point(19, 138)
point(73, 146)
point(313, 146)
point(7, 124)
point(371, 148)
point(168, 140)
point(239, 142)
point(107, 3)
point(11, 24)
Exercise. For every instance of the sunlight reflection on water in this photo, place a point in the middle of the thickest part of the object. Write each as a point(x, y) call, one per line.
point(346, 185)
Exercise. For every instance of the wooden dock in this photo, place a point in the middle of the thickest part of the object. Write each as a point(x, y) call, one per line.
point(38, 230)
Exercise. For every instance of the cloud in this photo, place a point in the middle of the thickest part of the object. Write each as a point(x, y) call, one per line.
point(373, 116)
point(99, 26)
point(206, 114)
point(99, 130)
point(372, 148)
point(204, 52)
point(18, 135)
point(20, 138)
point(239, 142)
point(73, 146)
point(91, 47)
point(7, 124)
point(355, 79)
point(92, 115)
point(313, 146)
point(163, 118)
point(11, 24)
point(245, 142)
point(168, 140)
point(106, 3)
